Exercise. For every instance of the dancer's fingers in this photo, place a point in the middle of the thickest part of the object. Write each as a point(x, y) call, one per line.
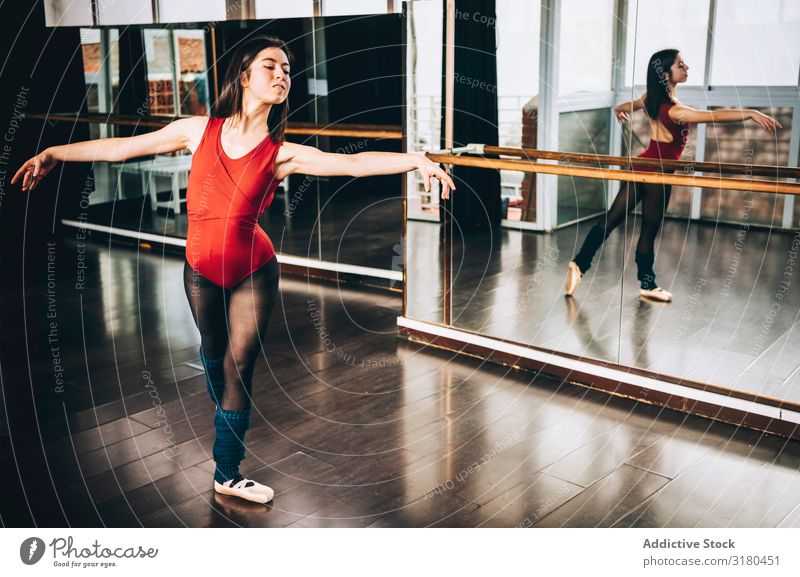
point(449, 181)
point(762, 122)
point(446, 184)
point(445, 190)
point(22, 170)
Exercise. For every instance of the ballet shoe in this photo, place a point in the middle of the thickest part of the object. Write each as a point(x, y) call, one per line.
point(245, 489)
point(574, 276)
point(657, 294)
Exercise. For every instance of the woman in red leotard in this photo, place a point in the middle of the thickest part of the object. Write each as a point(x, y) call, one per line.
point(670, 122)
point(231, 272)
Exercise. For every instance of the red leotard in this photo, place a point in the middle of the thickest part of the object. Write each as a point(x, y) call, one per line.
point(225, 197)
point(666, 150)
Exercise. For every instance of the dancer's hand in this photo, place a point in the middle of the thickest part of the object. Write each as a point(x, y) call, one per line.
point(34, 169)
point(766, 122)
point(622, 116)
point(428, 169)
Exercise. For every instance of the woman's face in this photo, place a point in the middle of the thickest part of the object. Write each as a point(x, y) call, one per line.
point(269, 76)
point(679, 71)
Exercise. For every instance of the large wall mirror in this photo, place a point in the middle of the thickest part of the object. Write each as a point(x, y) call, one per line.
point(346, 54)
point(729, 256)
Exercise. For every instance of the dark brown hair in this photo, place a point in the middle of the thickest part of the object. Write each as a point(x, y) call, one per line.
point(657, 85)
point(229, 102)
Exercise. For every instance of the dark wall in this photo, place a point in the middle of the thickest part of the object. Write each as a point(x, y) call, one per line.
point(477, 204)
point(45, 66)
point(42, 72)
point(364, 62)
point(365, 86)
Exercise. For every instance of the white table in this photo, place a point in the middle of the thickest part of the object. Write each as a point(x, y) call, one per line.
point(172, 167)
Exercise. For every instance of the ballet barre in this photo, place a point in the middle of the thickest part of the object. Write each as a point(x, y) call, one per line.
point(605, 159)
point(532, 166)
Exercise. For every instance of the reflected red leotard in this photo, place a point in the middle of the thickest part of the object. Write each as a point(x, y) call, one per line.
point(225, 197)
point(666, 150)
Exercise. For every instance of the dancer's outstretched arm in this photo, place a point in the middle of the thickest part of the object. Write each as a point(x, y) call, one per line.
point(684, 113)
point(299, 159)
point(174, 136)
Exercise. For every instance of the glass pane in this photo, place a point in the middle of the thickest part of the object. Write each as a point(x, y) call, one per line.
point(796, 218)
point(73, 13)
point(585, 131)
point(158, 53)
point(124, 13)
point(195, 11)
point(424, 98)
point(756, 43)
point(353, 7)
point(510, 283)
point(654, 26)
point(99, 100)
point(518, 99)
point(269, 9)
point(190, 51)
point(747, 144)
point(680, 203)
point(585, 49)
point(113, 48)
point(423, 250)
point(361, 219)
point(92, 67)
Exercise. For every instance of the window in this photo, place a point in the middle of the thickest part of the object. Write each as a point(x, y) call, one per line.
point(517, 28)
point(747, 144)
point(159, 58)
point(585, 50)
point(584, 131)
point(192, 73)
point(654, 26)
point(756, 43)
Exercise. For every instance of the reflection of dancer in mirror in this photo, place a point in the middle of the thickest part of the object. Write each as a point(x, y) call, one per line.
point(231, 272)
point(669, 130)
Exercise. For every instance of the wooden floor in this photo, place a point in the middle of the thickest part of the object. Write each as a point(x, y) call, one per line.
point(356, 428)
point(734, 321)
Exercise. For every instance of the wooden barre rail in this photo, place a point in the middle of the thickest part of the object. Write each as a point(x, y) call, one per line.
point(687, 166)
point(351, 130)
point(624, 175)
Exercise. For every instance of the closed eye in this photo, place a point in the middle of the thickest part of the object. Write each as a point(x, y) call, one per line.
point(286, 72)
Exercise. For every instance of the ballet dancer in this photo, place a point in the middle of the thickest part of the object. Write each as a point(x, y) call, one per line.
point(231, 272)
point(670, 122)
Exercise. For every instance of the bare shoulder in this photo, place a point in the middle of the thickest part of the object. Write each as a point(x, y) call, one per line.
point(192, 128)
point(290, 149)
point(286, 153)
point(676, 111)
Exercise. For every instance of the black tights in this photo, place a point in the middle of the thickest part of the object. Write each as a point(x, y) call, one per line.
point(233, 325)
point(654, 199)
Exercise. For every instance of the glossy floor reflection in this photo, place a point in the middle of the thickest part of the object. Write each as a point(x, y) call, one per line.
point(734, 321)
point(356, 429)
